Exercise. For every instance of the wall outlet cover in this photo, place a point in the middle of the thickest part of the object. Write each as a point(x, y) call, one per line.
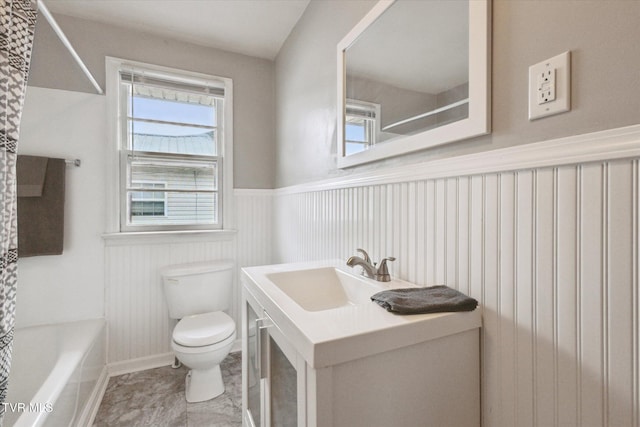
point(550, 86)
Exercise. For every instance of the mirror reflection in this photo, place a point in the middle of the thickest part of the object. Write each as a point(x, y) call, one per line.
point(407, 72)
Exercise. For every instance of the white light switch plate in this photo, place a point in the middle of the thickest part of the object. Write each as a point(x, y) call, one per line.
point(550, 86)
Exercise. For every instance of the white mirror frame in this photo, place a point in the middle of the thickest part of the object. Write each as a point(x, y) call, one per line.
point(477, 123)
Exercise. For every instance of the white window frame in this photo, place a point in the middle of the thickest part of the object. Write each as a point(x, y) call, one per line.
point(116, 223)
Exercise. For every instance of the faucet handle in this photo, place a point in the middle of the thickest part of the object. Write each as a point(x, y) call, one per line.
point(365, 255)
point(382, 274)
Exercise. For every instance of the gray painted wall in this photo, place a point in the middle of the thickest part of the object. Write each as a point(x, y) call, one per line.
point(602, 36)
point(253, 81)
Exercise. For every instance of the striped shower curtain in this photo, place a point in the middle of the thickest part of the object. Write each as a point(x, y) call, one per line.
point(17, 20)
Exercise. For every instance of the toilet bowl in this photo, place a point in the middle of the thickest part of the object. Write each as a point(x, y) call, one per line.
point(196, 294)
point(201, 342)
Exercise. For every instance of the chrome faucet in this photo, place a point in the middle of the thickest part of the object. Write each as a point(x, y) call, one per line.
point(369, 269)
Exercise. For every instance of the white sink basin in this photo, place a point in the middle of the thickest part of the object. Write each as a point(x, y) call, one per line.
point(324, 288)
point(324, 310)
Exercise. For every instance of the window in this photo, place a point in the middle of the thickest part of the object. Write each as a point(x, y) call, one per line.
point(171, 137)
point(361, 126)
point(149, 203)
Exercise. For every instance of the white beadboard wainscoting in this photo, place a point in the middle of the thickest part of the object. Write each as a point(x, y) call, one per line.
point(138, 324)
point(544, 236)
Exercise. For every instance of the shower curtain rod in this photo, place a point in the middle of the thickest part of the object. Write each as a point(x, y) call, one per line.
point(67, 44)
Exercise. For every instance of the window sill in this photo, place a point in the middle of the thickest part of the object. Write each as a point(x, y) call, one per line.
point(159, 237)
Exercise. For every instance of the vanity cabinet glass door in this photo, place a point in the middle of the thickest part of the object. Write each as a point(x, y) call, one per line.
point(282, 384)
point(274, 383)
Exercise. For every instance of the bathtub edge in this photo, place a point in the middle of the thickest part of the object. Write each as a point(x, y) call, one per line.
point(90, 410)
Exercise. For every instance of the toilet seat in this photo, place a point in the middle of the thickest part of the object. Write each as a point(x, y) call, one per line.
point(181, 349)
point(201, 330)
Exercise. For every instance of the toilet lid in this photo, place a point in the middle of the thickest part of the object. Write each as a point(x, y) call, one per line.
point(203, 329)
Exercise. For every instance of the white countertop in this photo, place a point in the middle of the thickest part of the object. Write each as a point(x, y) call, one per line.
point(329, 337)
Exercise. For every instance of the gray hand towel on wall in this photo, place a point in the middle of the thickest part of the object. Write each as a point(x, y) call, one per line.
point(434, 299)
point(41, 219)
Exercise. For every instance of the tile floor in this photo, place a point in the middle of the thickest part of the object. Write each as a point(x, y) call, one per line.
point(156, 398)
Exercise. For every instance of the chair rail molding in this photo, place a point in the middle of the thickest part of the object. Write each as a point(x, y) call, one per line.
point(611, 144)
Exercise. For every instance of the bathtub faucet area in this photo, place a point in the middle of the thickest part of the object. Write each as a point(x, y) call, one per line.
point(369, 269)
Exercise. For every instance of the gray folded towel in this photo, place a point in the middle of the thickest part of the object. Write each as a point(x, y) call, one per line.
point(434, 299)
point(31, 171)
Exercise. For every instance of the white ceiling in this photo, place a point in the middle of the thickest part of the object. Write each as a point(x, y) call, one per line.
point(251, 27)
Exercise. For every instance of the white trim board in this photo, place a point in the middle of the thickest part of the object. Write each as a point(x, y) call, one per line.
point(167, 237)
point(609, 144)
point(253, 192)
point(150, 362)
point(139, 364)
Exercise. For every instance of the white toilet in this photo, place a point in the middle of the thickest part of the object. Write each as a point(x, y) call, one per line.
point(197, 294)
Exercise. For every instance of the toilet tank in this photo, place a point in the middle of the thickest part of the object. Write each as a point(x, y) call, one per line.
point(197, 288)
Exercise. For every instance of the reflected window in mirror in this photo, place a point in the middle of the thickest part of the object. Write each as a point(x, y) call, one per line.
point(413, 62)
point(425, 65)
point(361, 127)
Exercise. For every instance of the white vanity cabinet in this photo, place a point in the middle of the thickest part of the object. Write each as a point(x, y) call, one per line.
point(356, 365)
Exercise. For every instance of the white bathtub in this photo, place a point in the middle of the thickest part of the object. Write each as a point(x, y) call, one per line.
point(55, 372)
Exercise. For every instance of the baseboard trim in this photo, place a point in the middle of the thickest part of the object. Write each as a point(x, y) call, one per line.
point(237, 346)
point(151, 362)
point(139, 364)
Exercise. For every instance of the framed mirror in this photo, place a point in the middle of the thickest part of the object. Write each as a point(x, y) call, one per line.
point(413, 75)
